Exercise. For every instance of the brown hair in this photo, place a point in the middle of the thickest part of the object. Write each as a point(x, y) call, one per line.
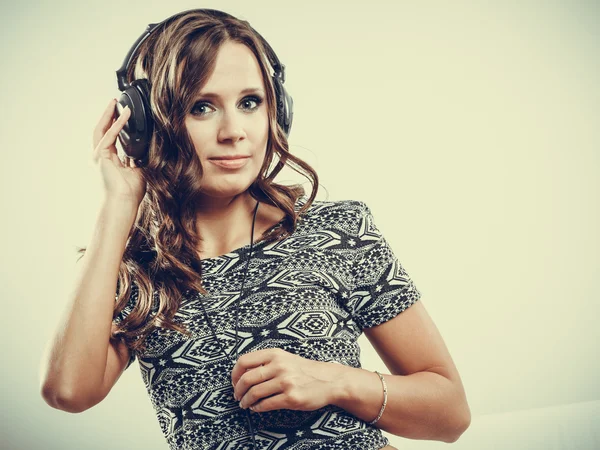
point(160, 259)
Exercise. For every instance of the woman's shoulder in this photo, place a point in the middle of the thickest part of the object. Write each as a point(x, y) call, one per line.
point(345, 208)
point(346, 216)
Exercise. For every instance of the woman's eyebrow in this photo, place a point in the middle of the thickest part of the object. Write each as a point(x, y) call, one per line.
point(251, 90)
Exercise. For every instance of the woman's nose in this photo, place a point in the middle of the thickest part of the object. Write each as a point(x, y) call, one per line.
point(231, 128)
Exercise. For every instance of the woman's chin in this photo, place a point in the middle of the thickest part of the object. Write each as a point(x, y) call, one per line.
point(225, 192)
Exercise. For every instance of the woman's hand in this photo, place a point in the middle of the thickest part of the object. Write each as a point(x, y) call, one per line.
point(122, 180)
point(272, 378)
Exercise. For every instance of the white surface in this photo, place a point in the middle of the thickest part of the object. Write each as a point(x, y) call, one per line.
point(573, 427)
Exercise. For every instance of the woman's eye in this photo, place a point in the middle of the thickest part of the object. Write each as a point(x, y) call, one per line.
point(198, 106)
point(246, 103)
point(256, 100)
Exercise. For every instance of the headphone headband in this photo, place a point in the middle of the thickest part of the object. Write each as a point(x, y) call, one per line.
point(122, 83)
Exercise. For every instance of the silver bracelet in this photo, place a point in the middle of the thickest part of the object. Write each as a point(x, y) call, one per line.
point(373, 422)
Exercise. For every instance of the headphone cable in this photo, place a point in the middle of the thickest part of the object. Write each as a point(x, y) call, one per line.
point(248, 258)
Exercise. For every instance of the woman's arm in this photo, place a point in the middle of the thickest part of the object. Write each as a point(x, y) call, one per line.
point(426, 398)
point(74, 365)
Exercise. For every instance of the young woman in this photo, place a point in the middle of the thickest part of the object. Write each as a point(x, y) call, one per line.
point(237, 294)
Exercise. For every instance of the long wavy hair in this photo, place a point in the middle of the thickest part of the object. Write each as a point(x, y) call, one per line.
point(160, 260)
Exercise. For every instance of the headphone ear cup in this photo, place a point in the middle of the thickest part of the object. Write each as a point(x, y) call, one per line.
point(136, 133)
point(285, 105)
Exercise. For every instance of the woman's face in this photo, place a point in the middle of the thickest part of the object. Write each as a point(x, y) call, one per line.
point(229, 120)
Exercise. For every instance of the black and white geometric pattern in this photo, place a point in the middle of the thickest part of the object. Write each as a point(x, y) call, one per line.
point(311, 294)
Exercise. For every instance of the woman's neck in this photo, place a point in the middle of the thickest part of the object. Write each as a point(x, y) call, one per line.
point(224, 224)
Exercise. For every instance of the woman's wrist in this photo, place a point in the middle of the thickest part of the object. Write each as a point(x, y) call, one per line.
point(356, 390)
point(337, 380)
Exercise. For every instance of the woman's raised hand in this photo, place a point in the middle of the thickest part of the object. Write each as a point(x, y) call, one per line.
point(122, 181)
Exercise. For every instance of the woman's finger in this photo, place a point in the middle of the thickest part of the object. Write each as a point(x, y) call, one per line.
point(104, 123)
point(253, 377)
point(260, 391)
point(110, 137)
point(272, 403)
point(255, 359)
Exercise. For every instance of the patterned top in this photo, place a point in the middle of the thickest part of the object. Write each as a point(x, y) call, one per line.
point(311, 294)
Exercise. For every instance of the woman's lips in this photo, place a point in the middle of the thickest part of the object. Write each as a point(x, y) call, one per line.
point(230, 163)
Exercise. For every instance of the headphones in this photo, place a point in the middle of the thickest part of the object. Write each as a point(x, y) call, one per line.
point(136, 133)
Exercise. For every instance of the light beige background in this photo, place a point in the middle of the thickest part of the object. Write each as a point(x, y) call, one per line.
point(470, 130)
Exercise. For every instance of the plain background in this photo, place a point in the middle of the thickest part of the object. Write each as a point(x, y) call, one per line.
point(469, 128)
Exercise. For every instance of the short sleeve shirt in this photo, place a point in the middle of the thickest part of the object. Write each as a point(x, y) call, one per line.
point(310, 293)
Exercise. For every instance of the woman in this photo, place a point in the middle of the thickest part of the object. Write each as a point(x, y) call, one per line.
point(236, 293)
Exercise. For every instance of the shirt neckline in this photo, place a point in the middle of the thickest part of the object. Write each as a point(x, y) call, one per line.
point(238, 250)
point(230, 255)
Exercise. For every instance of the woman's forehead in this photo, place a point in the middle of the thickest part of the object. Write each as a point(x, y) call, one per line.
point(236, 69)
